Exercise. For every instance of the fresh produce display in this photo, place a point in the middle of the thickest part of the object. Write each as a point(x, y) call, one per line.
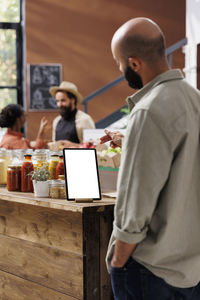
point(87, 145)
point(108, 157)
point(113, 150)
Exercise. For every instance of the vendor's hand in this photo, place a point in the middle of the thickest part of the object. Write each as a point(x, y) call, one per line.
point(44, 125)
point(115, 137)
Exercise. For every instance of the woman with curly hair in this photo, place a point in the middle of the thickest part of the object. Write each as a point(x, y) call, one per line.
point(13, 118)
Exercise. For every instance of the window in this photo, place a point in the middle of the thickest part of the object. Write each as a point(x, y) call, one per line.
point(11, 52)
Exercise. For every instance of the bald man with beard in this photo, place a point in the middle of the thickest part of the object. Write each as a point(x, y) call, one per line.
point(154, 250)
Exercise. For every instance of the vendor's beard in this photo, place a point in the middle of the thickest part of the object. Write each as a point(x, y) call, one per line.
point(134, 79)
point(66, 112)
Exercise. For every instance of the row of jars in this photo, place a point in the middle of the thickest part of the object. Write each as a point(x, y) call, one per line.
point(16, 157)
point(15, 172)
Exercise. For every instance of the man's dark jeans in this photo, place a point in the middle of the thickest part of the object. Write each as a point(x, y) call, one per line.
point(135, 282)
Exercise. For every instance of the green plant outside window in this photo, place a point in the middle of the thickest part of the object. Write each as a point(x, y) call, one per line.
point(10, 11)
point(8, 71)
point(10, 14)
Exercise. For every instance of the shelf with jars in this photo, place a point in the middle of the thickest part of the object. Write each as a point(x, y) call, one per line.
point(18, 166)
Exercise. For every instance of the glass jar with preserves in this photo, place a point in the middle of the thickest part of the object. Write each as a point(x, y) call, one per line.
point(18, 156)
point(54, 159)
point(57, 189)
point(40, 159)
point(60, 167)
point(2, 170)
point(27, 167)
point(14, 178)
point(5, 160)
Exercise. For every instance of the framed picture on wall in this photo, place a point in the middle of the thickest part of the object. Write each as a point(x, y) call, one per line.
point(41, 78)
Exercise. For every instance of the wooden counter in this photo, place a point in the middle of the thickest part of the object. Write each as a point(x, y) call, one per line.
point(53, 249)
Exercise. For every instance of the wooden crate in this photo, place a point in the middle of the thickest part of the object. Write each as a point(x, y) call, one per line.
point(108, 178)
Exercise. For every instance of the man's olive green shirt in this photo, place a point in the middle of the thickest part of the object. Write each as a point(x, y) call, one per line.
point(158, 202)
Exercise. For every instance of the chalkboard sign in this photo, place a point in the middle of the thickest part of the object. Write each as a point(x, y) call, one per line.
point(41, 78)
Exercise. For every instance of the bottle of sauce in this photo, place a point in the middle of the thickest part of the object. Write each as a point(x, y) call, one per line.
point(52, 166)
point(60, 167)
point(14, 178)
point(26, 181)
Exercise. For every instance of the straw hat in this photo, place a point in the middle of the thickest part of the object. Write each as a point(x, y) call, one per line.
point(67, 87)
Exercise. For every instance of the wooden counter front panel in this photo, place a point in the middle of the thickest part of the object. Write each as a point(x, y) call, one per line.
point(60, 229)
point(16, 288)
point(54, 254)
point(43, 246)
point(48, 266)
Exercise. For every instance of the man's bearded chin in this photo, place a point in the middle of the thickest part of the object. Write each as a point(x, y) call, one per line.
point(66, 111)
point(134, 79)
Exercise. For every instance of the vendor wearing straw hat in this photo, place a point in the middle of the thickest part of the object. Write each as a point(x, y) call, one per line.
point(69, 125)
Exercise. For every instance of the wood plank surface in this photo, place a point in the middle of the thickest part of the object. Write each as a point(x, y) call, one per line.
point(16, 288)
point(61, 204)
point(60, 229)
point(48, 266)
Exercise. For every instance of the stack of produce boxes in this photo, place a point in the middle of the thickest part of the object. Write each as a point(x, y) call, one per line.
point(108, 162)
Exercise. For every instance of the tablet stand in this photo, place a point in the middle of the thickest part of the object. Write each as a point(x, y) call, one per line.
point(82, 200)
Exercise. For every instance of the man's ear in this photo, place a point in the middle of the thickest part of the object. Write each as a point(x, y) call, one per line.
point(134, 63)
point(73, 101)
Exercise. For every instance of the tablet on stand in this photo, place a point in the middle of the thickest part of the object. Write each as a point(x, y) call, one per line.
point(81, 174)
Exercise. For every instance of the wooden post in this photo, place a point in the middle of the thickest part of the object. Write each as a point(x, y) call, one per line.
point(198, 66)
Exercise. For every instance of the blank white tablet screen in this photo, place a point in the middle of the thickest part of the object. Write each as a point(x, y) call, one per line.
point(81, 174)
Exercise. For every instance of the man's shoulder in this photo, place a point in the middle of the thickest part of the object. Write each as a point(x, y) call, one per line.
point(169, 106)
point(83, 120)
point(56, 119)
point(82, 115)
point(168, 97)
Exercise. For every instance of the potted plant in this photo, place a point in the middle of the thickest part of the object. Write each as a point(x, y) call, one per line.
point(40, 178)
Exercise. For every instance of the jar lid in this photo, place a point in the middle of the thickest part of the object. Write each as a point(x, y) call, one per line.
point(56, 182)
point(39, 155)
point(14, 166)
point(41, 151)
